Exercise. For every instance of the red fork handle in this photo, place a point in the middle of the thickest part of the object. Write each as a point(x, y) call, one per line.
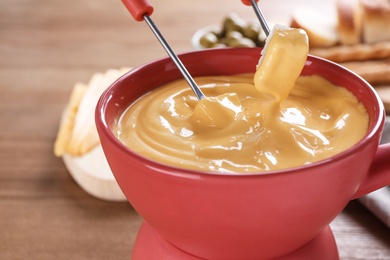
point(138, 8)
point(248, 2)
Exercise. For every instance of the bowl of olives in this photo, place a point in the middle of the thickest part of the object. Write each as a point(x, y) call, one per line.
point(232, 32)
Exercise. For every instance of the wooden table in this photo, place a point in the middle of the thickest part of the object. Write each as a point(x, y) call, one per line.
point(47, 46)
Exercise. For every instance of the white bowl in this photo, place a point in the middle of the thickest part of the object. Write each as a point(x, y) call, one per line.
point(92, 173)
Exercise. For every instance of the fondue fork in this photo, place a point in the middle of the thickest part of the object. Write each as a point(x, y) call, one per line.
point(142, 10)
point(259, 15)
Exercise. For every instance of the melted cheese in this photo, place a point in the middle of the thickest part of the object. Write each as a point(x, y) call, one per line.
point(248, 131)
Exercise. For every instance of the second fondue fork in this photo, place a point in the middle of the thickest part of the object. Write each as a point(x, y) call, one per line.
point(259, 15)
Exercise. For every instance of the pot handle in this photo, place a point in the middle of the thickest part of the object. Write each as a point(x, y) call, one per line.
point(379, 173)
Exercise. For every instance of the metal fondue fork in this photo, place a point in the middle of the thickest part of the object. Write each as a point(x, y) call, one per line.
point(259, 14)
point(141, 10)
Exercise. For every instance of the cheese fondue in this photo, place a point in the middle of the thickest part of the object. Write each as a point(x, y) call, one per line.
point(248, 123)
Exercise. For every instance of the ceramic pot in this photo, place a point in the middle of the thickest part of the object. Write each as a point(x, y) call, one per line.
point(244, 216)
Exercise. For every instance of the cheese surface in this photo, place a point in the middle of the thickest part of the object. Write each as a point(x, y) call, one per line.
point(244, 130)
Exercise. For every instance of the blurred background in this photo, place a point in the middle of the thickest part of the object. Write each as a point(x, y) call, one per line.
point(48, 46)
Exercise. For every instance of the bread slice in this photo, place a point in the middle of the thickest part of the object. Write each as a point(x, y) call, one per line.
point(357, 52)
point(376, 20)
point(84, 135)
point(384, 94)
point(374, 71)
point(77, 133)
point(68, 119)
point(349, 21)
point(321, 28)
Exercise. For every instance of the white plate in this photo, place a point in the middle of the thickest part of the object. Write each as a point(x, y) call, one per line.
point(92, 172)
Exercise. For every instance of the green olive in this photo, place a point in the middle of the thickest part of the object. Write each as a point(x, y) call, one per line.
point(233, 23)
point(208, 40)
point(252, 32)
point(242, 42)
point(218, 45)
point(217, 32)
point(230, 35)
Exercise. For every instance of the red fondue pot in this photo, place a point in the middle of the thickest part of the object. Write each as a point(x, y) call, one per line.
point(243, 216)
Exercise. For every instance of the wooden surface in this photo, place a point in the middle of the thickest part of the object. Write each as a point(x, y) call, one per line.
point(47, 46)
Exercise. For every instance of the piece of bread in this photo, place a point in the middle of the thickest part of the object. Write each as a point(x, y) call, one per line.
point(77, 134)
point(68, 119)
point(358, 52)
point(376, 20)
point(349, 24)
point(384, 94)
point(84, 135)
point(321, 28)
point(374, 71)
